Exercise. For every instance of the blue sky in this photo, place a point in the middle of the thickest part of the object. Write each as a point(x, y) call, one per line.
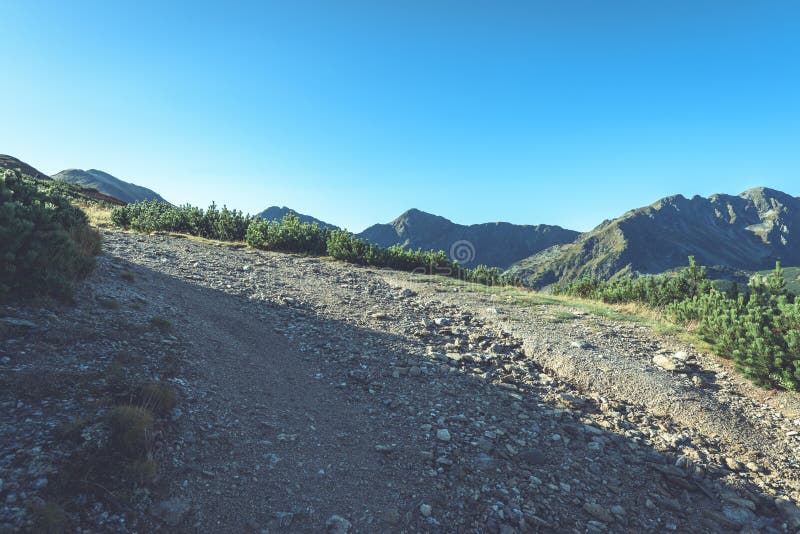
point(560, 112)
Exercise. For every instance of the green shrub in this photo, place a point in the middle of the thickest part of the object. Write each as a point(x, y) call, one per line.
point(156, 216)
point(45, 242)
point(131, 430)
point(288, 235)
point(158, 397)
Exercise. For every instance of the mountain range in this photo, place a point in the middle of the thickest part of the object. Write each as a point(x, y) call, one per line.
point(108, 184)
point(496, 244)
point(746, 232)
point(750, 231)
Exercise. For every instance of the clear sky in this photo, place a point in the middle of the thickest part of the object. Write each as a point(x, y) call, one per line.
point(560, 112)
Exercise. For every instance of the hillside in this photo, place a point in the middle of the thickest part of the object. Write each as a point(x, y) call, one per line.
point(494, 244)
point(107, 184)
point(745, 232)
point(275, 213)
point(12, 163)
point(314, 396)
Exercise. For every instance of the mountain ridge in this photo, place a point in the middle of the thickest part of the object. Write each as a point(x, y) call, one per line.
point(108, 184)
point(496, 244)
point(750, 231)
point(275, 213)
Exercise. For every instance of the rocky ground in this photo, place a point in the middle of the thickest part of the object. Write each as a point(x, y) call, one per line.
point(314, 395)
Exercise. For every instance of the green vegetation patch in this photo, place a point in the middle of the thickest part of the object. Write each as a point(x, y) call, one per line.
point(46, 243)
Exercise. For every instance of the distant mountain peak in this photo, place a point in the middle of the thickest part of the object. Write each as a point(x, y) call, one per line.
point(10, 162)
point(275, 213)
point(493, 244)
point(747, 232)
point(108, 184)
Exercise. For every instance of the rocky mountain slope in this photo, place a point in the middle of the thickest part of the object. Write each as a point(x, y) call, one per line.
point(315, 396)
point(108, 184)
point(493, 244)
point(275, 213)
point(10, 162)
point(747, 232)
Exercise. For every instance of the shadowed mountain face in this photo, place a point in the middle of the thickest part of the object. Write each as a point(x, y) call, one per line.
point(12, 163)
point(274, 213)
point(107, 184)
point(749, 231)
point(493, 244)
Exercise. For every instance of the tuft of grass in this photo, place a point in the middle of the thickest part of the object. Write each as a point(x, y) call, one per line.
point(131, 430)
point(108, 303)
point(49, 518)
point(158, 397)
point(161, 324)
point(563, 317)
point(143, 471)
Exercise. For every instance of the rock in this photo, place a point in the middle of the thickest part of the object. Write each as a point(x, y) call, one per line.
point(789, 509)
point(337, 524)
point(392, 516)
point(681, 356)
point(441, 321)
point(414, 371)
point(734, 465)
point(580, 345)
point(752, 466)
point(738, 515)
point(598, 512)
point(443, 434)
point(532, 457)
point(425, 510)
point(697, 381)
point(13, 321)
point(171, 511)
point(668, 363)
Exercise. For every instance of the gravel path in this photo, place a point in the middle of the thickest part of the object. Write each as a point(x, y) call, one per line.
point(318, 396)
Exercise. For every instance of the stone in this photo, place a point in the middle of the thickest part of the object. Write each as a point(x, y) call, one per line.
point(443, 434)
point(532, 457)
point(337, 524)
point(598, 512)
point(665, 362)
point(425, 509)
point(734, 465)
point(171, 511)
point(441, 321)
point(13, 321)
point(392, 516)
point(414, 371)
point(737, 514)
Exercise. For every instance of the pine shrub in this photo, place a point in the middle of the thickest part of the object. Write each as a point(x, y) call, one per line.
point(46, 244)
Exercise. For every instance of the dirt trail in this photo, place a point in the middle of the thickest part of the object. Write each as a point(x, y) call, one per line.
point(319, 396)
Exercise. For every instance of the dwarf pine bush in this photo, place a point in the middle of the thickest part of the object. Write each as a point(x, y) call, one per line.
point(155, 216)
point(45, 242)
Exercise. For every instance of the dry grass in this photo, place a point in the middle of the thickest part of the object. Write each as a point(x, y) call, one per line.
point(99, 216)
point(158, 397)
